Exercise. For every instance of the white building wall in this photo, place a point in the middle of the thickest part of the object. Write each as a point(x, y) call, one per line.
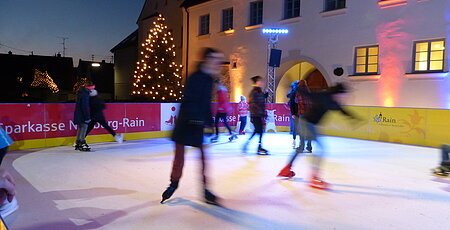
point(328, 41)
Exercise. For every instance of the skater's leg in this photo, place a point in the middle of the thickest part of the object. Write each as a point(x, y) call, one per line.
point(177, 169)
point(203, 167)
point(105, 125)
point(226, 123)
point(318, 155)
point(178, 163)
point(243, 121)
point(81, 132)
point(445, 149)
point(295, 127)
point(90, 126)
point(216, 124)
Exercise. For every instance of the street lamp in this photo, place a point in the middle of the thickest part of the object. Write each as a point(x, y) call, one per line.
point(272, 41)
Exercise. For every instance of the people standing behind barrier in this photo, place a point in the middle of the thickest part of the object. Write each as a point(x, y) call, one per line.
point(444, 168)
point(223, 108)
point(303, 104)
point(243, 113)
point(257, 113)
point(8, 201)
point(321, 103)
point(82, 116)
point(194, 115)
point(294, 109)
point(97, 105)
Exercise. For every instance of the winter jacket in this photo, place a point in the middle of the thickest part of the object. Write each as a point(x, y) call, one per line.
point(195, 110)
point(257, 102)
point(82, 113)
point(5, 140)
point(243, 108)
point(321, 103)
point(223, 104)
point(96, 105)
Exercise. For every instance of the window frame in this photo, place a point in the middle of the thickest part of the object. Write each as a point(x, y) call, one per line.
point(258, 8)
point(428, 56)
point(291, 7)
point(227, 19)
point(204, 26)
point(336, 5)
point(366, 65)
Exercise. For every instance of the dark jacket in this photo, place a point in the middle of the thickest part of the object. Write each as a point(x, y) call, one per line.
point(257, 102)
point(321, 103)
point(82, 113)
point(293, 106)
point(96, 105)
point(195, 110)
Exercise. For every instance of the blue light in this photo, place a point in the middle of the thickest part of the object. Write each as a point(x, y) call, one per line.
point(275, 31)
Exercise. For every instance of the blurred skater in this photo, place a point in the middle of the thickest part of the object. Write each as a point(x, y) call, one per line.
point(195, 114)
point(257, 113)
point(223, 108)
point(97, 105)
point(321, 103)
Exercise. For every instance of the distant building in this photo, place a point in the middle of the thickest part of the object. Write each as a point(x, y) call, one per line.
point(17, 73)
point(125, 58)
point(392, 52)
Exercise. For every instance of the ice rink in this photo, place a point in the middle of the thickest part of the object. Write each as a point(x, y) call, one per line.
point(374, 185)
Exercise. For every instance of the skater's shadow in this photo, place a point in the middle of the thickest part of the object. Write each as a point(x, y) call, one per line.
point(242, 219)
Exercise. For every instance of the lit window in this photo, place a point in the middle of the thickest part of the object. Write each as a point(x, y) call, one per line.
point(291, 9)
point(366, 60)
point(334, 5)
point(204, 25)
point(227, 19)
point(429, 56)
point(256, 13)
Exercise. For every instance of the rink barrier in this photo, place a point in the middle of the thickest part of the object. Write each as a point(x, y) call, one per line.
point(39, 125)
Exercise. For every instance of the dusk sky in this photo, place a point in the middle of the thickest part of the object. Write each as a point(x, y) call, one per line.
point(92, 26)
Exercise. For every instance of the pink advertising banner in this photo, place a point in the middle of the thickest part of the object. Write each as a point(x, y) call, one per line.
point(39, 121)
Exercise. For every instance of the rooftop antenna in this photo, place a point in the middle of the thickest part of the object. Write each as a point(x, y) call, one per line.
point(64, 45)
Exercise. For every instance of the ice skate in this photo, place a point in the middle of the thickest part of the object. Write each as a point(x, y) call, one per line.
point(293, 144)
point(82, 146)
point(214, 139)
point(210, 198)
point(318, 183)
point(119, 138)
point(262, 151)
point(169, 191)
point(441, 171)
point(286, 172)
point(309, 149)
point(233, 137)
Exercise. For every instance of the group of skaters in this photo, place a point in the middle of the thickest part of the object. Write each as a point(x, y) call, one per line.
point(195, 114)
point(88, 112)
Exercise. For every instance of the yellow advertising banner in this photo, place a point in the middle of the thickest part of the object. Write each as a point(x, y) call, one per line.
point(426, 127)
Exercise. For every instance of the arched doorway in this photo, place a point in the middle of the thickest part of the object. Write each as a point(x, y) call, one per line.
point(300, 71)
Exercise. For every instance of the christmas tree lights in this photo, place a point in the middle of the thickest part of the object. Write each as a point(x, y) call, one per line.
point(157, 77)
point(43, 80)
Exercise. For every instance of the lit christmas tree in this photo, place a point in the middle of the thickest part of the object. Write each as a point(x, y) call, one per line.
point(157, 77)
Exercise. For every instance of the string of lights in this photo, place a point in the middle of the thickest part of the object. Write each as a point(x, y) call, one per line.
point(157, 77)
point(43, 80)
